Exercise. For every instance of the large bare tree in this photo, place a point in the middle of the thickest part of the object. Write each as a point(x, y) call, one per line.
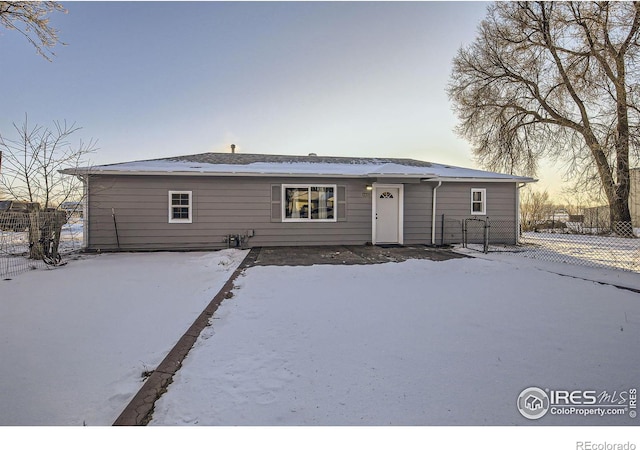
point(556, 80)
point(32, 159)
point(31, 19)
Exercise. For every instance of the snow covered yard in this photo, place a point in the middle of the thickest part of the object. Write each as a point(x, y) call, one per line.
point(584, 249)
point(412, 343)
point(75, 341)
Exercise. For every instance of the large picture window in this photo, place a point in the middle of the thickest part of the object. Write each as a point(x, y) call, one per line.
point(180, 207)
point(478, 201)
point(309, 203)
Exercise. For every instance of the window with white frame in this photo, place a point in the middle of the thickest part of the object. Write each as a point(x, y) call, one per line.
point(180, 207)
point(303, 203)
point(478, 201)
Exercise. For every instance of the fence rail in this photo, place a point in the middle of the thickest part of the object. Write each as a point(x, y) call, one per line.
point(36, 240)
point(616, 246)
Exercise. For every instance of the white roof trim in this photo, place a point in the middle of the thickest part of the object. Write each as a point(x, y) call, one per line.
point(212, 174)
point(479, 179)
point(422, 177)
point(332, 167)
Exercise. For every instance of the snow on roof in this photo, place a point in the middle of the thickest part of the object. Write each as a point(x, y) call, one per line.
point(235, 164)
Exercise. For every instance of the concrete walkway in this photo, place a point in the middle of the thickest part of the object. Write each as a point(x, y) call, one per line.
point(349, 254)
point(140, 409)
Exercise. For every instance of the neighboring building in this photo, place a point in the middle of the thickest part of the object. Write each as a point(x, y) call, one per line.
point(215, 200)
point(559, 215)
point(72, 208)
point(596, 217)
point(599, 216)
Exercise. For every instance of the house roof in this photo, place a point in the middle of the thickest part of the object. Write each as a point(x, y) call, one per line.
point(242, 164)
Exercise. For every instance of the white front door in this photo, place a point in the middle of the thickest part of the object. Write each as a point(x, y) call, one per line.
point(387, 215)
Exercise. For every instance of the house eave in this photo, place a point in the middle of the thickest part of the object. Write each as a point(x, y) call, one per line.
point(210, 174)
point(481, 179)
point(381, 176)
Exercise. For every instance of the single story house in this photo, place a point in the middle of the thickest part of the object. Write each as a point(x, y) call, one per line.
point(216, 200)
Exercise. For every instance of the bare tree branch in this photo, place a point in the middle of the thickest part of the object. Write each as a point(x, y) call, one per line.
point(31, 163)
point(555, 80)
point(31, 19)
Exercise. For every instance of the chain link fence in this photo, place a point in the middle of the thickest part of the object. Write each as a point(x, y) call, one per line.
point(476, 232)
point(587, 243)
point(44, 239)
point(36, 240)
point(616, 246)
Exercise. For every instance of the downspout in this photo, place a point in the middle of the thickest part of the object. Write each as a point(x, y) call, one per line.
point(433, 213)
point(85, 210)
point(518, 212)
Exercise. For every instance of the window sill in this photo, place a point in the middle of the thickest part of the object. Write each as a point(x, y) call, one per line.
point(309, 220)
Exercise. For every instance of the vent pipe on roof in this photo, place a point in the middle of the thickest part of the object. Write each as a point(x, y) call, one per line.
point(233, 148)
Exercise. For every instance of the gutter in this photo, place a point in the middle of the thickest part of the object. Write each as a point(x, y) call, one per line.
point(85, 210)
point(421, 177)
point(233, 174)
point(515, 179)
point(518, 211)
point(433, 213)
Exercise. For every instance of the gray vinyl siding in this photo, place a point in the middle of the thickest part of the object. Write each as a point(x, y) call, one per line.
point(417, 213)
point(234, 205)
point(454, 201)
point(221, 206)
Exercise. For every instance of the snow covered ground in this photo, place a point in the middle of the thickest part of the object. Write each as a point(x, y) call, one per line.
point(584, 249)
point(74, 341)
point(411, 343)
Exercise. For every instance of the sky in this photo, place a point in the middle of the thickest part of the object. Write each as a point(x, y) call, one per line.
point(157, 79)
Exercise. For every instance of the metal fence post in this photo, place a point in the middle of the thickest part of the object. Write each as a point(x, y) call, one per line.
point(486, 235)
point(464, 233)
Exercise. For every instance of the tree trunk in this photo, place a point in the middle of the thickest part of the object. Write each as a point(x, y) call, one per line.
point(35, 246)
point(620, 216)
point(59, 219)
point(617, 193)
point(619, 208)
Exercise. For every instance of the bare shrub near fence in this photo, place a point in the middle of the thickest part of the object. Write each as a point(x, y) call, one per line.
point(28, 239)
point(14, 245)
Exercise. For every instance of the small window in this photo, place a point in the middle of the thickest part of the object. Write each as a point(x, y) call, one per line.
point(180, 207)
point(308, 203)
point(478, 201)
